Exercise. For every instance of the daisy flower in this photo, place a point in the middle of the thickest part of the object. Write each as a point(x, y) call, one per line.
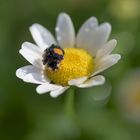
point(68, 60)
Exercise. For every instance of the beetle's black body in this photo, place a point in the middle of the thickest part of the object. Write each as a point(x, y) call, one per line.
point(52, 58)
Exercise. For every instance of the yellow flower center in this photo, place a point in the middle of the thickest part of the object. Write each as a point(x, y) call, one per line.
point(76, 63)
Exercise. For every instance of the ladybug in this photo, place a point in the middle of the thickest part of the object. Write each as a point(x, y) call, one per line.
point(53, 56)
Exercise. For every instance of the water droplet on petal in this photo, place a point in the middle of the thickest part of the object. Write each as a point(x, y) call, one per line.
point(57, 29)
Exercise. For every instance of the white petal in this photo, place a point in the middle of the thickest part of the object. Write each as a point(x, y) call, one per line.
point(32, 57)
point(29, 47)
point(94, 81)
point(42, 36)
point(77, 81)
point(65, 31)
point(31, 74)
point(107, 48)
point(41, 89)
point(36, 78)
point(32, 53)
point(92, 37)
point(85, 31)
point(105, 63)
point(23, 71)
point(57, 92)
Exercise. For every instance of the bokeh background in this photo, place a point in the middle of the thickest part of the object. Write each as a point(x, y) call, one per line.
point(108, 112)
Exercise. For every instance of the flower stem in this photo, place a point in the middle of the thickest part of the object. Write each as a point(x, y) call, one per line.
point(69, 103)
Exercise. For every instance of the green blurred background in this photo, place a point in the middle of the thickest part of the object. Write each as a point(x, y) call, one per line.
point(25, 115)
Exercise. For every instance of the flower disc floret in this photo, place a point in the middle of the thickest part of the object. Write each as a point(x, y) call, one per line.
point(76, 63)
